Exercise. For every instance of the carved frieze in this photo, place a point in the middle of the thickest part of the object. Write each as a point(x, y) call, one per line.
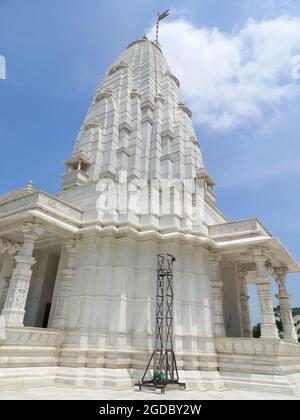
point(9, 247)
point(235, 227)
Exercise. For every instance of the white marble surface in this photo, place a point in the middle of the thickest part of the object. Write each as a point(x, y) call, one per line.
point(65, 393)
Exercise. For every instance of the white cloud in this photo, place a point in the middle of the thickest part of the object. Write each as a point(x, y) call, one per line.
point(238, 78)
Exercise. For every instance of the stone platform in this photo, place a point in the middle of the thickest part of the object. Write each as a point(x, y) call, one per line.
point(68, 393)
point(35, 357)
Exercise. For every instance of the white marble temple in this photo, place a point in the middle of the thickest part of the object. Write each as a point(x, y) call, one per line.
point(78, 269)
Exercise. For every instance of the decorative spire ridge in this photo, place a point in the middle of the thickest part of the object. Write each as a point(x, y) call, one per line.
point(145, 37)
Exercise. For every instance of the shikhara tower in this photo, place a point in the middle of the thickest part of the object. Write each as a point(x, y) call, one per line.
point(78, 269)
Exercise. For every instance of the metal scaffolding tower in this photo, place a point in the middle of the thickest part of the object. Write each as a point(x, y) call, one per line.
point(163, 361)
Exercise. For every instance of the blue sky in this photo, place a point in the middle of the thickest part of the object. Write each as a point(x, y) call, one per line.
point(56, 53)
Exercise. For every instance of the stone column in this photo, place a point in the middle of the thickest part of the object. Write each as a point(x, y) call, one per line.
point(263, 284)
point(5, 276)
point(61, 309)
point(289, 330)
point(217, 295)
point(247, 330)
point(14, 307)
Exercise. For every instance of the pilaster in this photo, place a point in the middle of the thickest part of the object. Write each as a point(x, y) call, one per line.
point(244, 297)
point(217, 295)
point(263, 284)
point(14, 307)
point(289, 331)
point(61, 310)
point(5, 276)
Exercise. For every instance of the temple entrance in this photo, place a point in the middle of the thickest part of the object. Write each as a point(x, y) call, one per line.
point(41, 289)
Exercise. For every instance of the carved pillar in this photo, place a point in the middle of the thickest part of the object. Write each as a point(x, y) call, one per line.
point(61, 309)
point(5, 276)
point(247, 330)
point(289, 331)
point(217, 295)
point(263, 284)
point(14, 307)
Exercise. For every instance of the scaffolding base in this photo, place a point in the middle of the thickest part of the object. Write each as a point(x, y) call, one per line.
point(161, 385)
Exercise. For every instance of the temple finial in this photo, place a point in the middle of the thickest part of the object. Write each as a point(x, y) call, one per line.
point(29, 186)
point(145, 37)
point(159, 18)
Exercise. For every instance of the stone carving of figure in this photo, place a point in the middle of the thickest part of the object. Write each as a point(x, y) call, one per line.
point(60, 305)
point(20, 298)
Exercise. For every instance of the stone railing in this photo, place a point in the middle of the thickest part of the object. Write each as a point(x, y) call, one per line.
point(58, 205)
point(29, 336)
point(252, 346)
point(27, 347)
point(40, 199)
point(74, 179)
point(255, 346)
point(245, 226)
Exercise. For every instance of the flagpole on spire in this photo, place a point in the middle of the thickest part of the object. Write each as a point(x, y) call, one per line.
point(159, 18)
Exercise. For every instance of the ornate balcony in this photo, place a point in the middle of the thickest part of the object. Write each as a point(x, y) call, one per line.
point(43, 201)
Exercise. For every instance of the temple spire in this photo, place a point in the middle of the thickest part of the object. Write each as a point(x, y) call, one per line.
point(137, 122)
